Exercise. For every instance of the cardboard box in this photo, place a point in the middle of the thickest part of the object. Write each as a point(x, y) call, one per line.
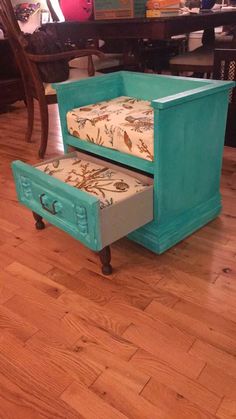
point(162, 12)
point(119, 9)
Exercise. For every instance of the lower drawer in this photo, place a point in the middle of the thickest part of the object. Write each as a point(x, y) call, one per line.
point(94, 201)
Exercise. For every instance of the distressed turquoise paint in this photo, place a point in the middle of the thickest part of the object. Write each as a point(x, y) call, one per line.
point(70, 217)
point(117, 156)
point(190, 118)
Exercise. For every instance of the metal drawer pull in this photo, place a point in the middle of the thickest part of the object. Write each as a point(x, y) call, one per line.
point(53, 210)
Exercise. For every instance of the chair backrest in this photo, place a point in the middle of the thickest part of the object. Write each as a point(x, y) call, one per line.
point(18, 44)
point(225, 67)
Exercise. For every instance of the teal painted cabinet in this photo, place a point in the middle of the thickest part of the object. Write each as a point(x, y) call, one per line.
point(189, 126)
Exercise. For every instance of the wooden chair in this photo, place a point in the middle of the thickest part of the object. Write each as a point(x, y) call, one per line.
point(113, 60)
point(200, 61)
point(28, 65)
point(225, 69)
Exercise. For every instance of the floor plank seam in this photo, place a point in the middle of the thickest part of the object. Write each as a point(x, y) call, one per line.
point(220, 403)
point(141, 391)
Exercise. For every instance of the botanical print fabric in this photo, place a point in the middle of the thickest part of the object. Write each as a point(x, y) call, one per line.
point(124, 123)
point(108, 185)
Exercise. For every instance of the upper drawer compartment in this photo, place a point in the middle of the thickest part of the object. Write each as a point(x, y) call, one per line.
point(94, 201)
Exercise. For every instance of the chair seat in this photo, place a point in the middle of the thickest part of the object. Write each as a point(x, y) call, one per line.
point(124, 124)
point(223, 40)
point(110, 60)
point(200, 59)
point(75, 74)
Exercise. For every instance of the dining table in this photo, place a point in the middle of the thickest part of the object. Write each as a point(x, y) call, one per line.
point(160, 28)
point(129, 32)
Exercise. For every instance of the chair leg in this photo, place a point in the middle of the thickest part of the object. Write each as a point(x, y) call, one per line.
point(30, 123)
point(44, 127)
point(105, 258)
point(91, 69)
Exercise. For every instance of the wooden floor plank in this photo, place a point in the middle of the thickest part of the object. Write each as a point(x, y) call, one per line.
point(97, 335)
point(91, 312)
point(16, 362)
point(35, 279)
point(43, 319)
point(218, 380)
point(10, 254)
point(211, 354)
point(172, 403)
point(90, 406)
point(179, 359)
point(201, 313)
point(227, 409)
point(193, 327)
point(131, 404)
point(194, 290)
point(132, 377)
point(32, 402)
point(65, 357)
point(146, 325)
point(16, 325)
point(187, 387)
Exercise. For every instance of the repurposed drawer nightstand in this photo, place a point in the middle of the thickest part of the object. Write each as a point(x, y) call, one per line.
point(96, 203)
point(158, 143)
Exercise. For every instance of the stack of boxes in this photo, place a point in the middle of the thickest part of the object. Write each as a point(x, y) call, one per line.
point(119, 9)
point(125, 9)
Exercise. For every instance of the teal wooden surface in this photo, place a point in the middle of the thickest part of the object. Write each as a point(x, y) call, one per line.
point(187, 171)
point(190, 119)
point(127, 159)
point(78, 212)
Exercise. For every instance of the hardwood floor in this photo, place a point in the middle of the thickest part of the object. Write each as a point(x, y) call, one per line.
point(156, 340)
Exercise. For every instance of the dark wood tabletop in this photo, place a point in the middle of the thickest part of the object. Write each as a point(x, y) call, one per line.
point(155, 28)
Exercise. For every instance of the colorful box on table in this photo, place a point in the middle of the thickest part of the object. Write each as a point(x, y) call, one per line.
point(162, 8)
point(119, 9)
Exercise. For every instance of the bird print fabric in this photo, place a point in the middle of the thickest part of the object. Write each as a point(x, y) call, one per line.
point(124, 123)
point(110, 186)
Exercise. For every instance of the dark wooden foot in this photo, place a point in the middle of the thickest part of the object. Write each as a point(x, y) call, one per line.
point(105, 258)
point(41, 153)
point(39, 221)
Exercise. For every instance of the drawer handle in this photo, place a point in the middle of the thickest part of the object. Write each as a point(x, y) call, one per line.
point(52, 210)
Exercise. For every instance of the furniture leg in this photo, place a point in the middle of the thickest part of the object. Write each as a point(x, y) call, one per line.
point(105, 258)
point(39, 221)
point(91, 69)
point(44, 126)
point(30, 111)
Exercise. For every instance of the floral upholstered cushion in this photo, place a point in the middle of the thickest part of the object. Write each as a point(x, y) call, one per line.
point(123, 123)
point(108, 185)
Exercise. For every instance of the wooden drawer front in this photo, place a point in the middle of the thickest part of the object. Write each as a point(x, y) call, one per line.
point(72, 210)
point(80, 213)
